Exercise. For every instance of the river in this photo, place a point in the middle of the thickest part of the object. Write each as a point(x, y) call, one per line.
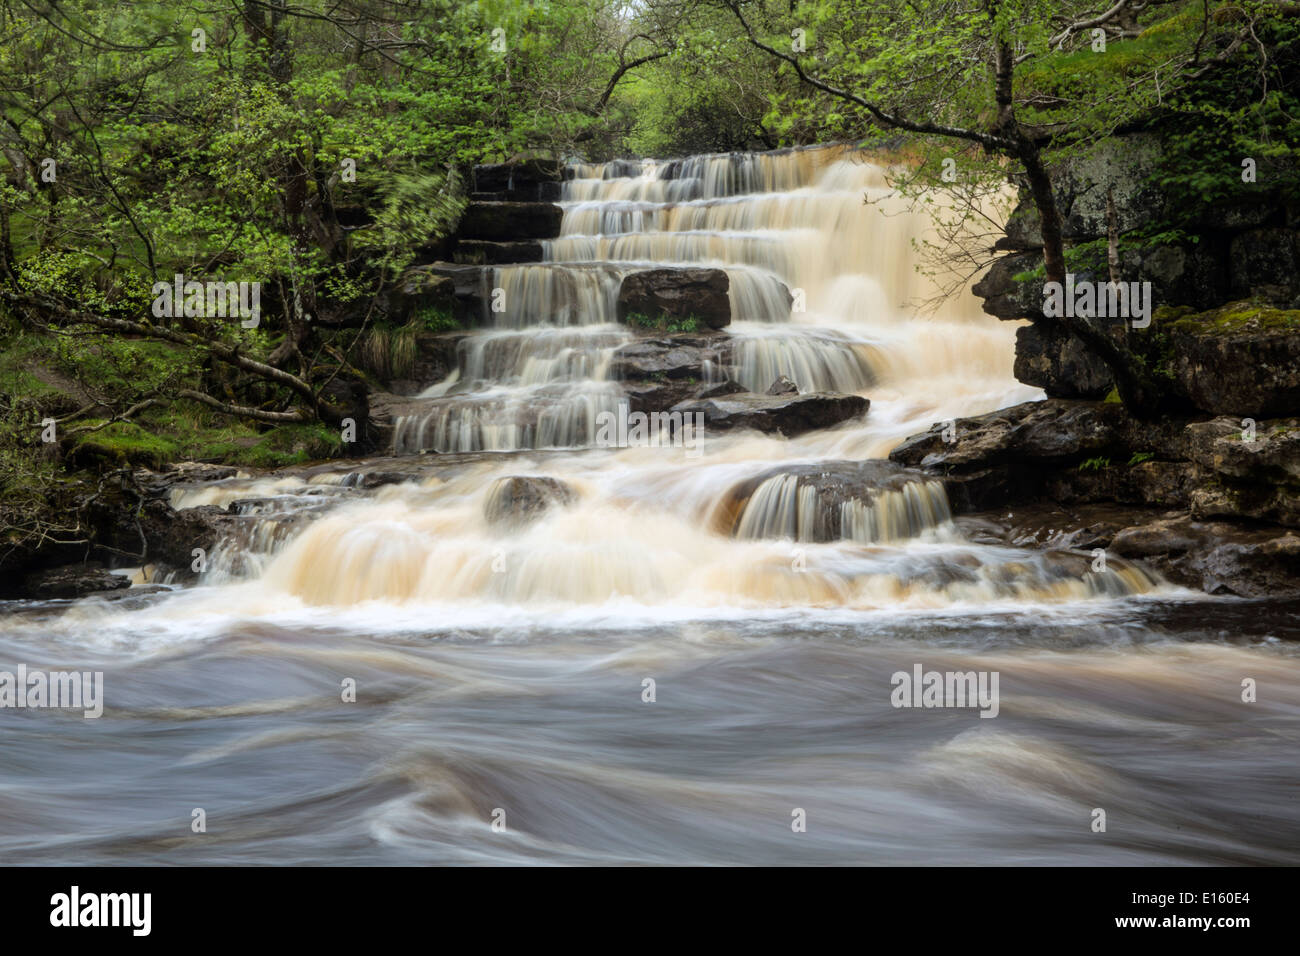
point(661, 671)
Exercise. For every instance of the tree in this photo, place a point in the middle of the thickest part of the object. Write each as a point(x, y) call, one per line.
point(1025, 83)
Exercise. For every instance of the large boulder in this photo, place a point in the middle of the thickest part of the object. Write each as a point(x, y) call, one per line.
point(823, 490)
point(788, 415)
point(1054, 429)
point(1218, 557)
point(1007, 297)
point(1241, 359)
point(1051, 358)
point(1065, 450)
point(521, 499)
point(1246, 473)
point(657, 294)
point(510, 221)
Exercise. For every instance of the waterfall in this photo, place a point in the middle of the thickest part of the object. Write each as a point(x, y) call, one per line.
point(823, 289)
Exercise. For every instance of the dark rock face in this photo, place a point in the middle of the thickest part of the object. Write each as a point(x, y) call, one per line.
point(350, 398)
point(510, 221)
point(1243, 476)
point(1264, 257)
point(72, 581)
point(787, 415)
point(529, 180)
point(419, 288)
point(1053, 429)
point(1248, 373)
point(1054, 360)
point(478, 252)
point(171, 536)
point(520, 500)
point(1244, 249)
point(1006, 298)
point(658, 373)
point(677, 294)
point(1078, 459)
point(469, 292)
point(1218, 557)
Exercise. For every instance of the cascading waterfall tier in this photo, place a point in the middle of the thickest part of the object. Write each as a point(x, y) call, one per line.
point(758, 521)
point(812, 274)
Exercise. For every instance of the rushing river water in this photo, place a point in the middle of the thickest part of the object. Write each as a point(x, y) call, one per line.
point(676, 665)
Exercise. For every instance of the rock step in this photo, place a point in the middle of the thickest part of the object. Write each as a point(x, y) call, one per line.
point(510, 221)
point(481, 252)
point(788, 415)
point(529, 180)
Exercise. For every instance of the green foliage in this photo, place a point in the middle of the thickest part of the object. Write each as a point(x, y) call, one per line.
point(664, 323)
point(1094, 464)
point(435, 318)
point(1139, 457)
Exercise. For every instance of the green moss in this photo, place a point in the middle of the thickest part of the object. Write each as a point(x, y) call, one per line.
point(123, 443)
point(663, 323)
point(289, 445)
point(188, 432)
point(1230, 319)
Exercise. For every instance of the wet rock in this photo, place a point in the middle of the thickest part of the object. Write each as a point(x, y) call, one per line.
point(786, 415)
point(721, 389)
point(832, 485)
point(661, 358)
point(510, 221)
point(782, 386)
point(468, 295)
point(659, 373)
point(529, 180)
point(677, 294)
point(1049, 357)
point(520, 500)
point(1218, 557)
point(1054, 429)
point(72, 581)
point(171, 535)
point(479, 252)
point(1050, 525)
